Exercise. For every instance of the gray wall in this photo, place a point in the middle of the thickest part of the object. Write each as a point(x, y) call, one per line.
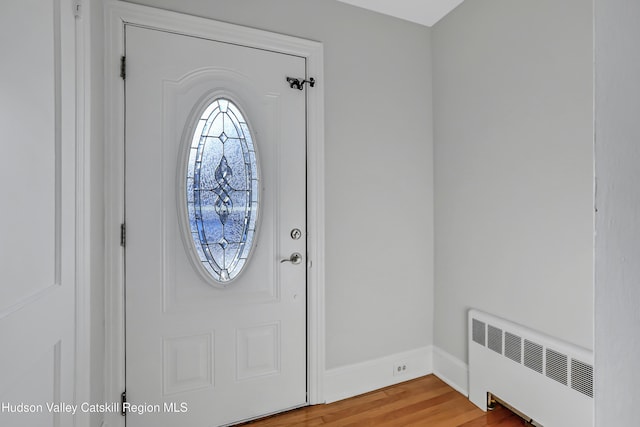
point(618, 219)
point(514, 167)
point(379, 173)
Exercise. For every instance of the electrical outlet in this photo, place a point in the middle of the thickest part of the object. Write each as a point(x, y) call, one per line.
point(400, 368)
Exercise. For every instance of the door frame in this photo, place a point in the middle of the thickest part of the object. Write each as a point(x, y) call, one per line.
point(117, 15)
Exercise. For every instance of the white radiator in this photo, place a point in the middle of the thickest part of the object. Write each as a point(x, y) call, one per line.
point(548, 380)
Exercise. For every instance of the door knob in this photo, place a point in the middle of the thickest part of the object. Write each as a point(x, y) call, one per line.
point(295, 258)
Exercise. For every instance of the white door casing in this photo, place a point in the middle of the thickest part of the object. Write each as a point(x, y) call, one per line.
point(219, 350)
point(123, 13)
point(38, 175)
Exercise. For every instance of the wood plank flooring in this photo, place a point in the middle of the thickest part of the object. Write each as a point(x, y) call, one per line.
point(425, 401)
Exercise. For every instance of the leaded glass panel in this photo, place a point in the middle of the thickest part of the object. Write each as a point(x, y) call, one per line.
point(222, 190)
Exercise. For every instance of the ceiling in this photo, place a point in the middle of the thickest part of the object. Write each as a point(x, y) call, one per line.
point(424, 12)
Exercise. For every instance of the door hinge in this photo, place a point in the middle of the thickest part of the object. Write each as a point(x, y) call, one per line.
point(77, 8)
point(123, 400)
point(123, 234)
point(123, 63)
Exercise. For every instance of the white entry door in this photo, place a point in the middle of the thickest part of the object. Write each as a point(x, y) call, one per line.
point(215, 281)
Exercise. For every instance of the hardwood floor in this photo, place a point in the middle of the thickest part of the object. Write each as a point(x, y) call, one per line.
point(426, 401)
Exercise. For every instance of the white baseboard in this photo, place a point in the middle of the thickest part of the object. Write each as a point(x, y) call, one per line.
point(451, 370)
point(352, 380)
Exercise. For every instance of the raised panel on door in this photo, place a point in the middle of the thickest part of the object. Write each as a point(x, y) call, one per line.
point(37, 217)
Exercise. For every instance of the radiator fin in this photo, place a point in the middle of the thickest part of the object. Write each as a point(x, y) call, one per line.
point(479, 332)
point(513, 347)
point(582, 377)
point(495, 339)
point(533, 356)
point(557, 366)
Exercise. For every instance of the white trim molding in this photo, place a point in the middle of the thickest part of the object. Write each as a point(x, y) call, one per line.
point(451, 370)
point(352, 380)
point(119, 13)
point(83, 210)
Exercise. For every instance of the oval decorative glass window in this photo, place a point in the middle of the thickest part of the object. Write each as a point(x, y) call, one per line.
point(222, 190)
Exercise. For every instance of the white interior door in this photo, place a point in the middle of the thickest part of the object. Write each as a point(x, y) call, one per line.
point(215, 324)
point(37, 216)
